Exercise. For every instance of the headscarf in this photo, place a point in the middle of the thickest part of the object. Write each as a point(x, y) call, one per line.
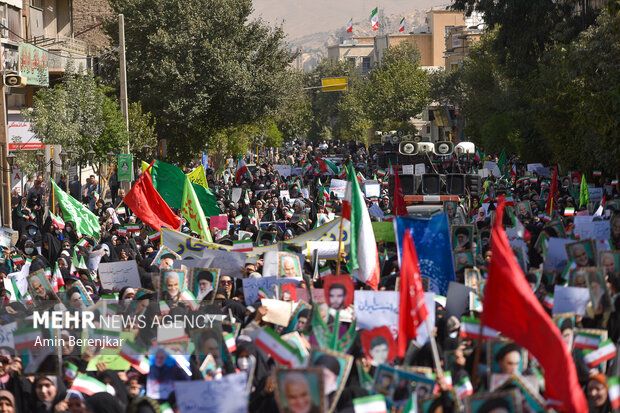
point(103, 403)
point(262, 368)
point(113, 216)
point(54, 246)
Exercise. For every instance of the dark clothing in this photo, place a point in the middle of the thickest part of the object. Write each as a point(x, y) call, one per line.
point(75, 190)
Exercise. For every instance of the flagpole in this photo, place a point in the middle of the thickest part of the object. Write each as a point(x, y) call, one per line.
point(339, 244)
point(438, 368)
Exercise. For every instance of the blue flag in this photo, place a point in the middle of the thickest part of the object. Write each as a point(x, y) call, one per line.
point(432, 242)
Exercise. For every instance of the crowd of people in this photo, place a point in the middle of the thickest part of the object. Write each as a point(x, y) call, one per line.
point(296, 345)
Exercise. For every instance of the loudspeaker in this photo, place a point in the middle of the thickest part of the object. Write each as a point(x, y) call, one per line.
point(455, 184)
point(474, 184)
point(444, 148)
point(410, 184)
point(431, 184)
point(408, 148)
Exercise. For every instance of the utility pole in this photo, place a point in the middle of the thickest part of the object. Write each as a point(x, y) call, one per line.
point(123, 69)
point(4, 167)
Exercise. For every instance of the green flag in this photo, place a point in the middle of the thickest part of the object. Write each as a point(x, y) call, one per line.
point(169, 180)
point(192, 211)
point(86, 222)
point(584, 192)
point(501, 162)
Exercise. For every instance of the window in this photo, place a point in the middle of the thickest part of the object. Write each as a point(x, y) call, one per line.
point(365, 65)
point(351, 60)
point(36, 3)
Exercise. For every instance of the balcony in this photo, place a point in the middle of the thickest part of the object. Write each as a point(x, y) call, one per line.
point(61, 48)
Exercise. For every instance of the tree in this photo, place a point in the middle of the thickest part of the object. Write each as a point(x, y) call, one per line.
point(78, 115)
point(579, 101)
point(201, 67)
point(141, 130)
point(397, 89)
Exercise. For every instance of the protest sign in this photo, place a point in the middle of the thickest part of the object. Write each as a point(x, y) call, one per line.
point(251, 286)
point(586, 227)
point(273, 264)
point(278, 312)
point(116, 275)
point(596, 194)
point(5, 237)
point(372, 189)
point(229, 263)
point(219, 222)
point(376, 308)
point(556, 258)
point(236, 194)
point(570, 300)
point(457, 299)
point(420, 169)
point(305, 193)
point(285, 194)
point(384, 231)
point(407, 170)
point(283, 170)
point(376, 211)
point(492, 168)
point(432, 242)
point(225, 395)
point(112, 362)
point(6, 335)
point(484, 173)
point(338, 187)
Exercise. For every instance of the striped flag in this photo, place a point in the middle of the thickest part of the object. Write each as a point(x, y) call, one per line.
point(88, 385)
point(165, 408)
point(57, 280)
point(262, 293)
point(325, 271)
point(121, 211)
point(71, 371)
point(136, 356)
point(470, 328)
point(83, 242)
point(374, 18)
point(17, 259)
point(122, 231)
point(57, 221)
point(288, 213)
point(188, 297)
point(281, 351)
point(401, 25)
point(587, 341)
point(132, 228)
point(381, 172)
point(464, 388)
point(569, 211)
point(243, 245)
point(548, 303)
point(370, 404)
point(163, 308)
point(230, 341)
point(605, 352)
point(350, 26)
point(597, 173)
point(154, 236)
point(25, 338)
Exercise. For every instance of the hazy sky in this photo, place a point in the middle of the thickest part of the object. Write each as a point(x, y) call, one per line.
point(303, 17)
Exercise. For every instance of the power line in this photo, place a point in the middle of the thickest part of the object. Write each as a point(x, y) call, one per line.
point(52, 53)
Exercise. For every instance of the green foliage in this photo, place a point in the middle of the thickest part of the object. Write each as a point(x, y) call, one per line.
point(141, 129)
point(397, 89)
point(78, 115)
point(579, 110)
point(201, 67)
point(294, 117)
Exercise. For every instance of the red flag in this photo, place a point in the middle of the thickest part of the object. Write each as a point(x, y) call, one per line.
point(400, 208)
point(144, 200)
point(552, 192)
point(511, 307)
point(413, 309)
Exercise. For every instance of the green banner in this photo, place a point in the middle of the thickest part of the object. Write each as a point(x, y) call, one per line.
point(384, 231)
point(125, 167)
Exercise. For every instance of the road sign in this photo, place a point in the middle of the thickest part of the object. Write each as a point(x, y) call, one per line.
point(334, 84)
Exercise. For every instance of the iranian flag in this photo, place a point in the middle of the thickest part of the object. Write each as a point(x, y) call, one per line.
point(231, 344)
point(587, 341)
point(71, 371)
point(136, 356)
point(374, 18)
point(25, 338)
point(370, 404)
point(57, 280)
point(154, 236)
point(262, 293)
point(470, 328)
point(88, 385)
point(242, 170)
point(281, 351)
point(243, 245)
point(401, 26)
point(188, 297)
point(614, 392)
point(605, 352)
point(464, 388)
point(350, 26)
point(548, 302)
point(57, 221)
point(327, 166)
point(364, 262)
